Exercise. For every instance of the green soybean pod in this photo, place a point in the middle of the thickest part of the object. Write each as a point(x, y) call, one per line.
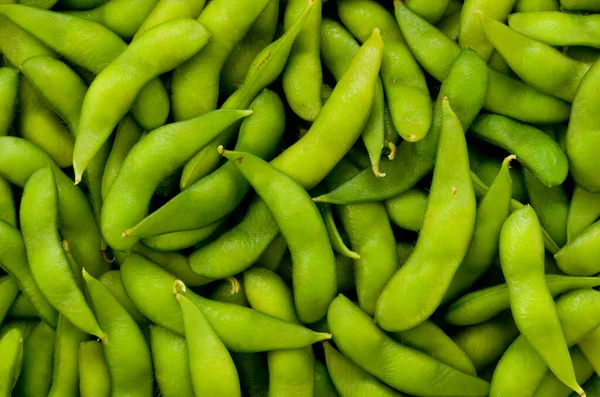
point(112, 281)
point(125, 343)
point(557, 28)
point(314, 276)
point(589, 347)
point(522, 6)
point(291, 372)
point(577, 311)
point(11, 351)
point(13, 259)
point(351, 380)
point(433, 341)
point(403, 80)
point(319, 150)
point(148, 163)
point(471, 33)
point(133, 68)
point(359, 339)
point(430, 269)
point(492, 211)
point(431, 11)
point(583, 211)
point(535, 150)
point(176, 241)
point(9, 83)
point(551, 204)
point(407, 209)
point(8, 211)
point(371, 236)
point(195, 84)
point(167, 10)
point(481, 305)
point(94, 379)
point(581, 133)
point(206, 353)
point(335, 238)
point(484, 343)
point(551, 386)
point(171, 363)
point(260, 34)
point(450, 26)
point(38, 353)
point(241, 329)
point(47, 259)
point(222, 191)
point(522, 261)
point(514, 47)
point(580, 5)
point(324, 386)
point(579, 257)
point(22, 308)
point(44, 4)
point(9, 290)
point(17, 45)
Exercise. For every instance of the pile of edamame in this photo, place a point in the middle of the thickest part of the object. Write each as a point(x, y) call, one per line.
point(352, 198)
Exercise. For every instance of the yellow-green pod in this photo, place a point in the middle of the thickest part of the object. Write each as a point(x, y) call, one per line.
point(9, 83)
point(94, 379)
point(38, 355)
point(167, 10)
point(11, 351)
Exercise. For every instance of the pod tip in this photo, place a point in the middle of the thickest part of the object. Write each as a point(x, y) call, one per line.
point(377, 172)
point(445, 99)
point(508, 159)
point(221, 150)
point(178, 286)
point(235, 285)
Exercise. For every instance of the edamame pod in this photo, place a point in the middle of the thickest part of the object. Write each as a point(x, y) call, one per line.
point(314, 275)
point(38, 353)
point(534, 149)
point(589, 347)
point(403, 80)
point(522, 261)
point(407, 209)
point(8, 293)
point(330, 137)
point(17, 45)
point(583, 211)
point(580, 5)
point(337, 243)
point(351, 380)
point(580, 256)
point(431, 11)
point(152, 159)
point(523, 6)
point(11, 351)
point(414, 372)
point(133, 68)
point(561, 82)
point(112, 281)
point(91, 46)
point(479, 306)
point(302, 76)
point(166, 10)
point(492, 211)
point(176, 241)
point(551, 386)
point(418, 287)
point(450, 26)
point(172, 375)
point(22, 308)
point(47, 259)
point(94, 379)
point(9, 82)
point(241, 329)
point(558, 28)
point(125, 343)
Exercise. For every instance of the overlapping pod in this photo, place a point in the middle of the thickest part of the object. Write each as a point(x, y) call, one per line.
point(558, 28)
point(166, 10)
point(171, 375)
point(94, 378)
point(38, 355)
point(583, 211)
point(11, 351)
point(580, 256)
point(65, 369)
point(9, 82)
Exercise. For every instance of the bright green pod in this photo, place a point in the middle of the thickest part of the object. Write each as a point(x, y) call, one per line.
point(206, 354)
point(535, 5)
point(124, 343)
point(403, 80)
point(17, 45)
point(417, 289)
point(11, 351)
point(9, 83)
point(484, 343)
point(481, 305)
point(13, 259)
point(407, 209)
point(121, 16)
point(492, 211)
point(371, 236)
point(38, 353)
point(589, 347)
point(241, 329)
point(324, 386)
point(582, 136)
point(133, 68)
point(471, 33)
point(535, 150)
point(65, 367)
point(498, 63)
point(218, 194)
point(8, 211)
point(580, 256)
point(551, 204)
point(47, 259)
point(534, 312)
point(450, 26)
point(44, 4)
point(112, 281)
point(335, 238)
point(171, 363)
point(551, 386)
point(302, 77)
point(430, 339)
point(148, 163)
point(351, 380)
point(583, 211)
point(9, 290)
point(167, 10)
point(22, 308)
point(291, 372)
point(557, 28)
point(579, 314)
point(91, 46)
point(359, 339)
point(529, 59)
point(177, 241)
point(94, 379)
point(319, 150)
point(431, 11)
point(314, 276)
